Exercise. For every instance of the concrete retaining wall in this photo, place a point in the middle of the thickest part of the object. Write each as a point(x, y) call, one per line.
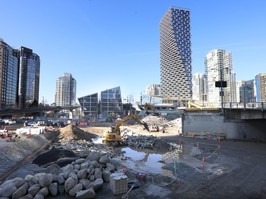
point(32, 130)
point(216, 123)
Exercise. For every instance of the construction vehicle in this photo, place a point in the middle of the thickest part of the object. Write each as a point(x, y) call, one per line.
point(115, 135)
point(153, 127)
point(150, 107)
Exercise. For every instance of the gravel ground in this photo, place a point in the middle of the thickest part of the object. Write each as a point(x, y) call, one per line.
point(236, 169)
point(232, 169)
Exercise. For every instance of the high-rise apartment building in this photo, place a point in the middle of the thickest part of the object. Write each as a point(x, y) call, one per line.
point(246, 91)
point(175, 54)
point(260, 83)
point(233, 95)
point(198, 87)
point(153, 90)
point(65, 91)
point(8, 75)
point(29, 77)
point(218, 67)
point(20, 76)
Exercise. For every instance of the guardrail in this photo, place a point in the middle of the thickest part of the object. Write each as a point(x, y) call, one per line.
point(250, 105)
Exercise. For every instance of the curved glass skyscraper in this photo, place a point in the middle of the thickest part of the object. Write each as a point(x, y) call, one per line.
point(175, 54)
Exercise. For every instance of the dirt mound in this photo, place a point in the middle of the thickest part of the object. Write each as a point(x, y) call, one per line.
point(72, 132)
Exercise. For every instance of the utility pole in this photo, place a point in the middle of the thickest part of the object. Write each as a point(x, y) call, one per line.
point(221, 89)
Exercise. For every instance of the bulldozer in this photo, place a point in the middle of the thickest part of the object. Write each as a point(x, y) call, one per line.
point(114, 135)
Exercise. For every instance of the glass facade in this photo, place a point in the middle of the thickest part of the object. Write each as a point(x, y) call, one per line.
point(111, 102)
point(29, 77)
point(89, 105)
point(260, 82)
point(8, 76)
point(175, 54)
point(246, 91)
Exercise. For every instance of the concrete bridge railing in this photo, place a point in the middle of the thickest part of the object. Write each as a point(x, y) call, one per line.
point(250, 105)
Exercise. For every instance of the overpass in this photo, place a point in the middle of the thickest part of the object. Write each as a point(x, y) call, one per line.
point(35, 110)
point(245, 111)
point(236, 120)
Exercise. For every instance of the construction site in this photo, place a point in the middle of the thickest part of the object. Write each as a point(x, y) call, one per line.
point(151, 157)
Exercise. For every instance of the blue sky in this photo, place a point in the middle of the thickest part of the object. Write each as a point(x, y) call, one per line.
point(109, 43)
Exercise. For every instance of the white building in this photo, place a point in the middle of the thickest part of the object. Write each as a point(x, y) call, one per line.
point(65, 90)
point(153, 90)
point(218, 68)
point(198, 91)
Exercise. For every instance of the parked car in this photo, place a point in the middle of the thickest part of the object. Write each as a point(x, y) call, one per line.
point(2, 122)
point(9, 121)
point(32, 123)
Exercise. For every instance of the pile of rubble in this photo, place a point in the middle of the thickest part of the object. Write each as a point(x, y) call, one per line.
point(81, 179)
point(152, 119)
point(90, 167)
point(167, 126)
point(148, 142)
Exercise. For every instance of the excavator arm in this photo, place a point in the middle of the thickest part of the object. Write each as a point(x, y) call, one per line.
point(115, 134)
point(148, 106)
point(134, 117)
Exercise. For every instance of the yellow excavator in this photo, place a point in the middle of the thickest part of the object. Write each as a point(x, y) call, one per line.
point(115, 135)
point(150, 107)
point(154, 127)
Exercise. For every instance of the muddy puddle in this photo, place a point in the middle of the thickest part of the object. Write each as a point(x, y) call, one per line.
point(152, 162)
point(143, 162)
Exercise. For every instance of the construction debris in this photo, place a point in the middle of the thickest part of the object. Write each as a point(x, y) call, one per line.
point(164, 125)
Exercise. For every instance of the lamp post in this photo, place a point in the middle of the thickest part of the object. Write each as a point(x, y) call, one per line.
point(141, 98)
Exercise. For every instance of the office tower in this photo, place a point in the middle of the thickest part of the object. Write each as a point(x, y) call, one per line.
point(65, 91)
point(28, 78)
point(198, 87)
point(89, 105)
point(218, 67)
point(175, 54)
point(260, 83)
point(111, 102)
point(8, 76)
